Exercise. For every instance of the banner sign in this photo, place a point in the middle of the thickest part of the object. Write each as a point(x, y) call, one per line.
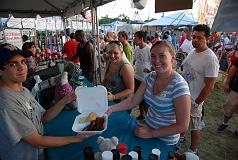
point(207, 11)
point(13, 36)
point(14, 23)
point(41, 24)
point(50, 25)
point(59, 25)
point(28, 22)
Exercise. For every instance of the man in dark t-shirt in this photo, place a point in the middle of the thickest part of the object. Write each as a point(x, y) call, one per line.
point(85, 54)
point(231, 87)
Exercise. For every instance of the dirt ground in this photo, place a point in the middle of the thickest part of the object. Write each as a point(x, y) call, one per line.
point(214, 145)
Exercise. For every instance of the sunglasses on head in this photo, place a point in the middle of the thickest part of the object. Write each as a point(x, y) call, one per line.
point(115, 42)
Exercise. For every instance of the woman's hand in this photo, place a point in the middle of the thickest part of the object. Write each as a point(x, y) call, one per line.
point(109, 111)
point(143, 131)
point(81, 137)
point(69, 98)
point(110, 96)
point(85, 136)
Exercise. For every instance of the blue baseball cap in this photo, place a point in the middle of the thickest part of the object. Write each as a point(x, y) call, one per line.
point(8, 51)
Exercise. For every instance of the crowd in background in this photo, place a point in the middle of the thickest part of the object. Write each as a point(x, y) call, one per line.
point(139, 72)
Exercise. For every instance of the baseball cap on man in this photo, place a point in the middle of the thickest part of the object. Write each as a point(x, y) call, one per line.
point(8, 51)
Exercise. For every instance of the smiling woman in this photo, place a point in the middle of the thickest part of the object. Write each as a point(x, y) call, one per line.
point(167, 94)
point(119, 75)
point(163, 56)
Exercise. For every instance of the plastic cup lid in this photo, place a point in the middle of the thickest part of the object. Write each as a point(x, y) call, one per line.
point(156, 151)
point(133, 154)
point(107, 155)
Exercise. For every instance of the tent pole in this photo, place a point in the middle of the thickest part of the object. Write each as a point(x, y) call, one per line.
point(98, 47)
point(64, 30)
point(64, 26)
point(93, 11)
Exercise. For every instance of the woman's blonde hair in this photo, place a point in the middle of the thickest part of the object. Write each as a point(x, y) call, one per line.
point(117, 44)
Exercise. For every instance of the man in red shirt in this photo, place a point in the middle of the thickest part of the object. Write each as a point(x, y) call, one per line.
point(183, 37)
point(70, 48)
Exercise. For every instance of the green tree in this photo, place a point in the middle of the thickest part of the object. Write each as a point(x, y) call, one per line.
point(124, 18)
point(121, 17)
point(149, 20)
point(105, 20)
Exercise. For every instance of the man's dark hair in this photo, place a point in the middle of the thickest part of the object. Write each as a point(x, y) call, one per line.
point(79, 32)
point(24, 38)
point(148, 38)
point(141, 34)
point(72, 36)
point(156, 35)
point(25, 45)
point(123, 34)
point(202, 28)
point(31, 44)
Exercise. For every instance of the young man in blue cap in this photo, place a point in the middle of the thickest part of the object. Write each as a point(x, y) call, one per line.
point(21, 116)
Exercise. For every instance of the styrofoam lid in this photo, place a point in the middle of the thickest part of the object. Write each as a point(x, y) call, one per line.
point(92, 99)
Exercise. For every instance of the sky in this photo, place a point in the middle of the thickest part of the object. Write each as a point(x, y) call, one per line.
point(113, 9)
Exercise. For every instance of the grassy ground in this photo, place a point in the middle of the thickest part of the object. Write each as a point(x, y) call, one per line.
point(214, 145)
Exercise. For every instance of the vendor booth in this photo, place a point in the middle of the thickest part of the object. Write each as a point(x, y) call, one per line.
point(120, 124)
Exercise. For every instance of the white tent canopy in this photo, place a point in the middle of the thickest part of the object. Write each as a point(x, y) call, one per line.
point(226, 19)
point(46, 8)
point(175, 19)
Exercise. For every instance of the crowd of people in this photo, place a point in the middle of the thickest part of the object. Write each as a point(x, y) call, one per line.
point(142, 74)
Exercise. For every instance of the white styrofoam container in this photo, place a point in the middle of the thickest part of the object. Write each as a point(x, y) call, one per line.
point(90, 99)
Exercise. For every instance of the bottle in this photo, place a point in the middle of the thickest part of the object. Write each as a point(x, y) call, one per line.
point(81, 80)
point(37, 79)
point(157, 152)
point(36, 89)
point(139, 152)
point(107, 155)
point(122, 148)
point(126, 157)
point(153, 157)
point(116, 154)
point(64, 87)
point(88, 153)
point(134, 155)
